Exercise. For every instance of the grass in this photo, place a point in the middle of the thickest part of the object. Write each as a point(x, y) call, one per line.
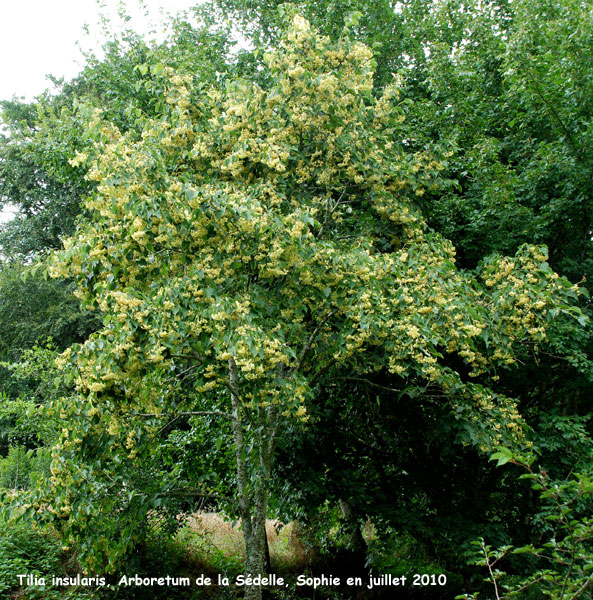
point(214, 539)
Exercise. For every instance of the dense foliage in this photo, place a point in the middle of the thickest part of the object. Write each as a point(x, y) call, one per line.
point(323, 279)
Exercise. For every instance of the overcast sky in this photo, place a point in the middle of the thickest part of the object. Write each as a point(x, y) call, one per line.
point(38, 37)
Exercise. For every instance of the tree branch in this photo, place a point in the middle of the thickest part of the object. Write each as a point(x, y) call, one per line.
point(190, 413)
point(310, 341)
point(369, 382)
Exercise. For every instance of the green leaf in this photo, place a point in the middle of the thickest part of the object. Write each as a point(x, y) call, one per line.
point(503, 456)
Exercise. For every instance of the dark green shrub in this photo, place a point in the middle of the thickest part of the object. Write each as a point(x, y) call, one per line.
point(24, 549)
point(22, 466)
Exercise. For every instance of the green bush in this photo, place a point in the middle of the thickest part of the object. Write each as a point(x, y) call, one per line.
point(22, 466)
point(19, 421)
point(563, 555)
point(24, 549)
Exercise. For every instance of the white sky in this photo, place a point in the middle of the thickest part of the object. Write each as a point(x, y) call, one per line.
point(38, 37)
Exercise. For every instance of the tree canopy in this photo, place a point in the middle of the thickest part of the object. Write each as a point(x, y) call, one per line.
point(257, 243)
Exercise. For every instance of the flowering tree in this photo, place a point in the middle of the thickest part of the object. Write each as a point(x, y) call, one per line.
point(252, 245)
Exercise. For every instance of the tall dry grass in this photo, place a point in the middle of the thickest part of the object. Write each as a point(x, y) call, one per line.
point(216, 535)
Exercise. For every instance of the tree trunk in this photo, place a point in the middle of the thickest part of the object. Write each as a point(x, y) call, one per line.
point(267, 553)
point(356, 541)
point(253, 480)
